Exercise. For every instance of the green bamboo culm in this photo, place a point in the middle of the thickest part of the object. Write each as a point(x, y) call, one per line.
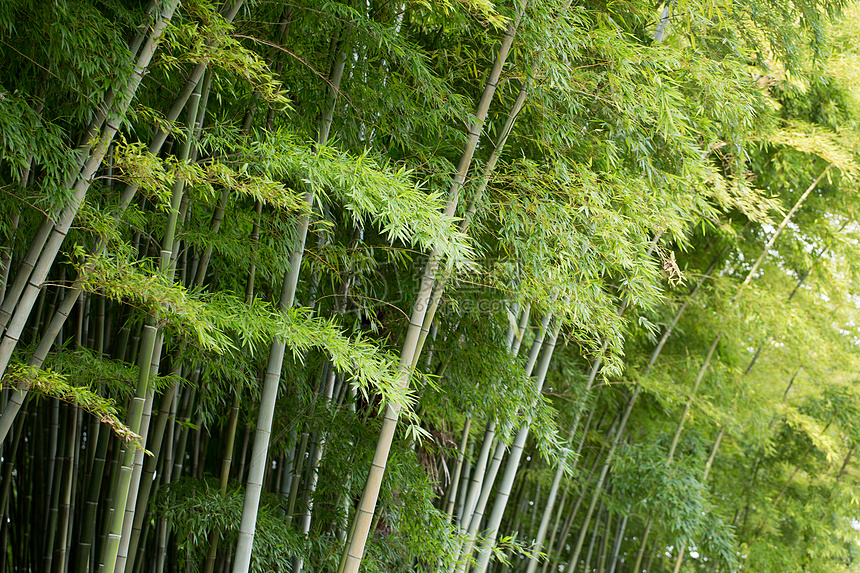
point(271, 379)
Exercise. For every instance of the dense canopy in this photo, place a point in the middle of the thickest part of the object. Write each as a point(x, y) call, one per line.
point(410, 286)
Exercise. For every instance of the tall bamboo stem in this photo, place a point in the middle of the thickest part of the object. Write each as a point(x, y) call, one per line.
point(354, 550)
point(262, 434)
point(57, 233)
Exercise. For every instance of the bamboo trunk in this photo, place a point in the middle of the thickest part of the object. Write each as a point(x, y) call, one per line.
point(559, 472)
point(56, 233)
point(595, 533)
point(272, 377)
point(616, 548)
point(88, 521)
point(485, 485)
point(451, 494)
point(150, 353)
point(598, 488)
point(503, 494)
point(354, 550)
point(226, 462)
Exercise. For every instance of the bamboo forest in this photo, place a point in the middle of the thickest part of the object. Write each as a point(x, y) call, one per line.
point(414, 286)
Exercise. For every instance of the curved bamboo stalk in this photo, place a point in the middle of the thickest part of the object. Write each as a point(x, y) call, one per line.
point(60, 228)
point(272, 377)
point(513, 463)
point(354, 550)
point(50, 235)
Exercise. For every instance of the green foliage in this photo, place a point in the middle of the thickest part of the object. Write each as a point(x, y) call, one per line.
point(635, 162)
point(55, 384)
point(674, 497)
point(193, 508)
point(367, 191)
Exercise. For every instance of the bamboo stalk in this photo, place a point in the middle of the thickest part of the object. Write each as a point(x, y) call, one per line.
point(167, 475)
point(80, 186)
point(226, 462)
point(464, 481)
point(604, 546)
point(476, 479)
point(619, 536)
point(54, 508)
point(91, 502)
point(643, 544)
point(127, 460)
point(559, 472)
point(558, 514)
point(483, 486)
point(8, 465)
point(307, 505)
point(147, 485)
point(66, 494)
point(766, 251)
point(6, 258)
point(478, 515)
point(108, 505)
point(622, 425)
point(451, 494)
point(272, 376)
point(677, 437)
point(595, 533)
point(354, 550)
point(513, 463)
point(554, 535)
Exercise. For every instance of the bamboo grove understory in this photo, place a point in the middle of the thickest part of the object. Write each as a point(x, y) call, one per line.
point(408, 286)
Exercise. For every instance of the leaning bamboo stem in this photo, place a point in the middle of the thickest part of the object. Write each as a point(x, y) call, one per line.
point(50, 236)
point(307, 505)
point(766, 251)
point(565, 532)
point(555, 529)
point(60, 228)
point(53, 511)
point(451, 494)
point(619, 433)
point(354, 550)
point(616, 548)
point(476, 479)
point(147, 478)
point(226, 463)
point(272, 377)
point(595, 531)
point(88, 522)
point(514, 456)
point(151, 354)
point(478, 515)
point(677, 437)
point(135, 415)
point(559, 472)
point(485, 485)
point(73, 415)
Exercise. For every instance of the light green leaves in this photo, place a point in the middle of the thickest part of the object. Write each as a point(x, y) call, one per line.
point(371, 193)
point(49, 383)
